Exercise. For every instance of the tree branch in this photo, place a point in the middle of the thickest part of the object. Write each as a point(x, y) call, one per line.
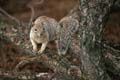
point(32, 15)
point(12, 17)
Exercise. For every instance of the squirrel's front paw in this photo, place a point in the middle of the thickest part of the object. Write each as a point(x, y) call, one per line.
point(61, 53)
point(34, 50)
point(40, 52)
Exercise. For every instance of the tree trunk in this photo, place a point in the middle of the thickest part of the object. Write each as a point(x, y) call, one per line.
point(93, 14)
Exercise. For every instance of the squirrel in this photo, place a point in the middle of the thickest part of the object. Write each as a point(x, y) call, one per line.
point(46, 29)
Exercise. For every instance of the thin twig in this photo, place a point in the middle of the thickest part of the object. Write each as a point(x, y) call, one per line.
point(11, 17)
point(108, 46)
point(111, 48)
point(31, 6)
point(23, 62)
point(32, 15)
point(39, 2)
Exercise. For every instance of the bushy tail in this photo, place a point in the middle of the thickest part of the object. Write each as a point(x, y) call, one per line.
point(69, 26)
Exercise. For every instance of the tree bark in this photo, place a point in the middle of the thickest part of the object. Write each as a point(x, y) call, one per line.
point(93, 14)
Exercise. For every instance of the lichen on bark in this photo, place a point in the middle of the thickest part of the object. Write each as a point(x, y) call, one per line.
point(93, 14)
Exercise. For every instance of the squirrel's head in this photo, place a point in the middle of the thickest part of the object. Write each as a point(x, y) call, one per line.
point(38, 30)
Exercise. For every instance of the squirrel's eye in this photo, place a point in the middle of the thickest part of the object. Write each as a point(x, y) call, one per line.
point(35, 29)
point(43, 29)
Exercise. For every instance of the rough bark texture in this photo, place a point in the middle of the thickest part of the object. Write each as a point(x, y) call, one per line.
point(93, 16)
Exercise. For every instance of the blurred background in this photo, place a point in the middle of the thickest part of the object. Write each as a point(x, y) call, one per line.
point(52, 8)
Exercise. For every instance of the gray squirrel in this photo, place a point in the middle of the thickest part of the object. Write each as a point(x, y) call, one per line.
point(46, 29)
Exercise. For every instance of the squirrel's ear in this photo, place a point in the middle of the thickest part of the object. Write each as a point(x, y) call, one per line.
point(43, 24)
point(32, 23)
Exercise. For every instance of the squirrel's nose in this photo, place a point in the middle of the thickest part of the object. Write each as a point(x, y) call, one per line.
point(39, 34)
